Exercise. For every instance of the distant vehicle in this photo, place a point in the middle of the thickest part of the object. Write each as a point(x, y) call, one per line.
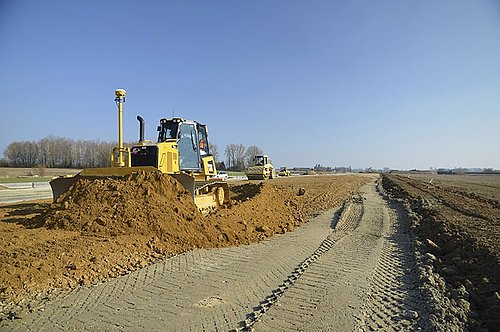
point(261, 170)
point(221, 175)
point(284, 172)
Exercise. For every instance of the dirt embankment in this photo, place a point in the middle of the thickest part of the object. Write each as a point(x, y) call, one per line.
point(458, 233)
point(105, 228)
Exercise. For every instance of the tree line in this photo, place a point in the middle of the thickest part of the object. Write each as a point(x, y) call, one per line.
point(238, 156)
point(58, 152)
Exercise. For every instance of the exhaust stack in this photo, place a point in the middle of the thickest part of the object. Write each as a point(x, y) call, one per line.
point(141, 128)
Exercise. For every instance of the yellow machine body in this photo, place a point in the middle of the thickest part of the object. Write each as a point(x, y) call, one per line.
point(181, 151)
point(261, 170)
point(284, 172)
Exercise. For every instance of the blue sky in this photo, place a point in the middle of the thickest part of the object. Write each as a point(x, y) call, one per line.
point(402, 84)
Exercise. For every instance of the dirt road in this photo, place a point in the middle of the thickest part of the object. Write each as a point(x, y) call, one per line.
point(18, 192)
point(346, 269)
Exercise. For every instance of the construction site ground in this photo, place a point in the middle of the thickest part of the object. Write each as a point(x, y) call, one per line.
point(310, 253)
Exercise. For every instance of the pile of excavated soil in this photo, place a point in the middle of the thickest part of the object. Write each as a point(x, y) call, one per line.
point(145, 203)
point(156, 205)
point(103, 228)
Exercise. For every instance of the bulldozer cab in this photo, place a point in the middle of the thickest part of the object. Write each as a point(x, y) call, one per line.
point(191, 138)
point(260, 160)
point(167, 130)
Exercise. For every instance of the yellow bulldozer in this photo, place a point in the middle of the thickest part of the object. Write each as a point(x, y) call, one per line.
point(284, 172)
point(261, 170)
point(181, 151)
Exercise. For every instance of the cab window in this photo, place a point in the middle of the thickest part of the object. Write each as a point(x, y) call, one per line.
point(203, 141)
point(188, 147)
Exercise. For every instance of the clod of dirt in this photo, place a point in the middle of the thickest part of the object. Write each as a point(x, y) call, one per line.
point(434, 248)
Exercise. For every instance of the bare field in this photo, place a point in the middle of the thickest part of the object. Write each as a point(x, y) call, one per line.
point(487, 185)
point(346, 269)
point(14, 172)
point(457, 223)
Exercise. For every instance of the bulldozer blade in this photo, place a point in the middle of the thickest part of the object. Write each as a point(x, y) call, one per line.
point(187, 182)
point(215, 194)
point(61, 184)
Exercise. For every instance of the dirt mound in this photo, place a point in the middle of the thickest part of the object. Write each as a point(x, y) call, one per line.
point(257, 211)
point(135, 204)
point(156, 205)
point(105, 228)
point(2, 187)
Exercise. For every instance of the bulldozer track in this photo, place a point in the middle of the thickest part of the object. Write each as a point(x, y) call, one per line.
point(330, 274)
point(394, 298)
point(350, 216)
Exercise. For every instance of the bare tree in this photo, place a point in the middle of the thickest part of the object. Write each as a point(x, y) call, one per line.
point(230, 155)
point(240, 157)
point(14, 153)
point(235, 155)
point(41, 170)
point(214, 151)
point(49, 151)
point(250, 154)
point(31, 149)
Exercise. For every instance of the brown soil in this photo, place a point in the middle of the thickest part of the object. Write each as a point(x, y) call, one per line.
point(105, 228)
point(460, 229)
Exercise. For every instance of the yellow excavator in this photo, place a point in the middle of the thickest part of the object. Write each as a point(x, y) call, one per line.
point(181, 151)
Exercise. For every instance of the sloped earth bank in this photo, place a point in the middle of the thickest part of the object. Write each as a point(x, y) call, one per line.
point(101, 229)
point(458, 239)
point(347, 269)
